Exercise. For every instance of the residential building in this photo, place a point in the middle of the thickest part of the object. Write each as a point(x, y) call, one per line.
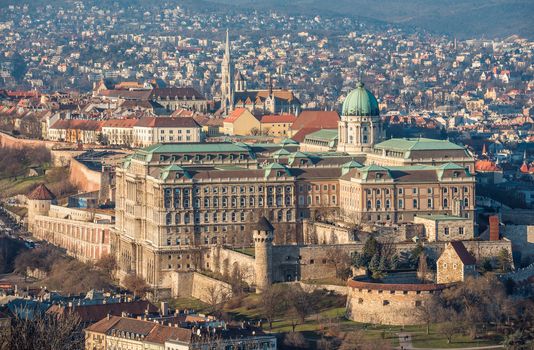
point(153, 130)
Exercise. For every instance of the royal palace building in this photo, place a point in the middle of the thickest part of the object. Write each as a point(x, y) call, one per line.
point(175, 201)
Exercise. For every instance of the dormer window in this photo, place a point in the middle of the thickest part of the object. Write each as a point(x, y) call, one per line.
point(279, 173)
point(456, 174)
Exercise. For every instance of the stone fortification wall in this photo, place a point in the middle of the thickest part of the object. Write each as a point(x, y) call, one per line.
point(390, 304)
point(85, 179)
point(323, 233)
point(310, 287)
point(199, 286)
point(517, 216)
point(9, 141)
point(224, 260)
point(63, 157)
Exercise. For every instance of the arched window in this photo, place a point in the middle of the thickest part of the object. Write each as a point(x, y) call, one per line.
point(378, 204)
point(445, 203)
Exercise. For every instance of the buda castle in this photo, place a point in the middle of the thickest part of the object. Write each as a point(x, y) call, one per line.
point(175, 203)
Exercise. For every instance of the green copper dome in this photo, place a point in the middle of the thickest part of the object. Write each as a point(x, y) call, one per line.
point(360, 102)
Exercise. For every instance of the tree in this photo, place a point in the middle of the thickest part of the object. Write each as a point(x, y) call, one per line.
point(43, 331)
point(504, 260)
point(136, 284)
point(295, 340)
point(427, 313)
point(422, 267)
point(299, 305)
point(341, 261)
point(108, 265)
point(216, 297)
point(271, 303)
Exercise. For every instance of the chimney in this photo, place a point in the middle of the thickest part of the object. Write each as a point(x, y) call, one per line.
point(494, 228)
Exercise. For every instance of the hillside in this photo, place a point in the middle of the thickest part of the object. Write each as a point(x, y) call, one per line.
point(464, 19)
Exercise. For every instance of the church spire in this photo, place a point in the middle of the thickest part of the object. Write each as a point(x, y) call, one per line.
point(227, 47)
point(227, 78)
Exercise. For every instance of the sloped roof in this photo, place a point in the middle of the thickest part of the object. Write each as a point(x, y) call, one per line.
point(236, 113)
point(264, 225)
point(285, 118)
point(463, 254)
point(176, 93)
point(167, 122)
point(316, 120)
point(41, 193)
point(417, 144)
point(119, 123)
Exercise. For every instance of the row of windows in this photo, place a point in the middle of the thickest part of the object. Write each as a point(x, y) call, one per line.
point(227, 189)
point(232, 202)
point(414, 190)
point(415, 204)
point(446, 231)
point(214, 217)
point(316, 187)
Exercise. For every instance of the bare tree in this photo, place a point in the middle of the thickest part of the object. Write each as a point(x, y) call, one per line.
point(271, 303)
point(136, 284)
point(295, 340)
point(427, 313)
point(108, 264)
point(341, 261)
point(300, 305)
point(216, 296)
point(42, 331)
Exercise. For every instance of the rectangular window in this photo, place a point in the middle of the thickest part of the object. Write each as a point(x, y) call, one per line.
point(446, 231)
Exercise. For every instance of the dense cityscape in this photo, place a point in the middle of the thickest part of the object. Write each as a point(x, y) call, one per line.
point(188, 175)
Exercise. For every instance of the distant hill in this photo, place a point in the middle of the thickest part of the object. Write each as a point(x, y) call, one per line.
point(461, 18)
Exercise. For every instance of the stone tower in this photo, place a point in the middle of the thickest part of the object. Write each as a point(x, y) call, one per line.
point(39, 202)
point(263, 247)
point(240, 83)
point(360, 126)
point(227, 76)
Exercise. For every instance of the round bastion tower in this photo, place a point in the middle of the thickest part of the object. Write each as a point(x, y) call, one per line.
point(39, 202)
point(263, 236)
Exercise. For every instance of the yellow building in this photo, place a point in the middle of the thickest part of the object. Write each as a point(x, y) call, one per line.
point(277, 125)
point(240, 122)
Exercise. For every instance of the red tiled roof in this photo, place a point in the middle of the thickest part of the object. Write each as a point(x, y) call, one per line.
point(41, 193)
point(167, 122)
point(285, 118)
point(152, 331)
point(302, 133)
point(316, 119)
point(236, 113)
point(78, 124)
point(93, 313)
point(486, 165)
point(119, 123)
point(463, 254)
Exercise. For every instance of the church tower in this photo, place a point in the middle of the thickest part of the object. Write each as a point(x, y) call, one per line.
point(240, 82)
point(263, 249)
point(360, 126)
point(227, 76)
